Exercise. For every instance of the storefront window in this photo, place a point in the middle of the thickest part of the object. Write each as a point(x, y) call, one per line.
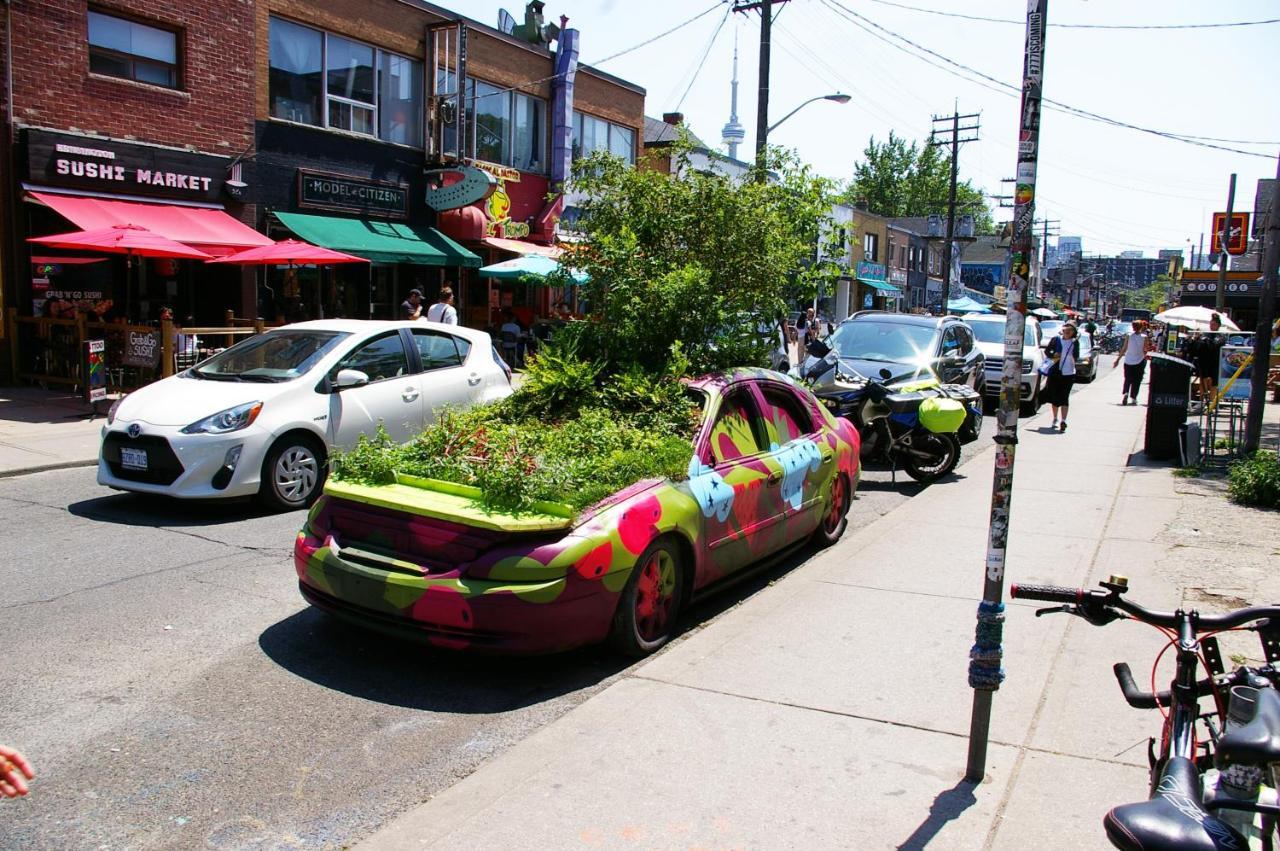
point(622, 143)
point(591, 134)
point(530, 133)
point(330, 81)
point(447, 84)
point(492, 123)
point(134, 51)
point(296, 82)
point(399, 118)
point(350, 85)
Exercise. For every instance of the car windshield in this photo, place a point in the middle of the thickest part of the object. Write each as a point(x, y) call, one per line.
point(1051, 328)
point(273, 356)
point(993, 332)
point(891, 342)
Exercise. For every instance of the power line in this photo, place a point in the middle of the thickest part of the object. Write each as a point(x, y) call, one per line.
point(1015, 91)
point(647, 42)
point(1212, 25)
point(705, 54)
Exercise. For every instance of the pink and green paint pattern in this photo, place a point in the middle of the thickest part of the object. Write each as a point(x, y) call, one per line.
point(762, 478)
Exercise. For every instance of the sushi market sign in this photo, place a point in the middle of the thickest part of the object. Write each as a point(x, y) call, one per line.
point(98, 164)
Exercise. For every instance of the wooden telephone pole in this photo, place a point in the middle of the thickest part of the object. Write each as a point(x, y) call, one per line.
point(937, 137)
point(762, 100)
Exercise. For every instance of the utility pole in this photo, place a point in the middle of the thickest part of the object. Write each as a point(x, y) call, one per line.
point(936, 137)
point(762, 102)
point(986, 670)
point(1220, 298)
point(1266, 316)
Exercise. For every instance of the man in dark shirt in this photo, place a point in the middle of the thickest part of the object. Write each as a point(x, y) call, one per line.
point(411, 308)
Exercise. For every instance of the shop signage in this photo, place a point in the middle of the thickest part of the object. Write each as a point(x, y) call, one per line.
point(1233, 360)
point(126, 168)
point(341, 193)
point(94, 365)
point(1237, 240)
point(871, 272)
point(454, 188)
point(502, 172)
point(142, 348)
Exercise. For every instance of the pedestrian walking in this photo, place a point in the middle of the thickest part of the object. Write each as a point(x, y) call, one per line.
point(411, 307)
point(443, 310)
point(1134, 354)
point(1063, 351)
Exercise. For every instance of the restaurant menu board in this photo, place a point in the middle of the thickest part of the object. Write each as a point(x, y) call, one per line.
point(94, 364)
point(142, 348)
point(1230, 359)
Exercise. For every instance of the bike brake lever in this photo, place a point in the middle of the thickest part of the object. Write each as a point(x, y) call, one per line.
point(1098, 616)
point(1053, 610)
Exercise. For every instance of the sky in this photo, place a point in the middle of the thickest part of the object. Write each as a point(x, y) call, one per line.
point(1116, 188)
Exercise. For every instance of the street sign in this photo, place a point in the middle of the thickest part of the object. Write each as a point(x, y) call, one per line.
point(1238, 241)
point(94, 363)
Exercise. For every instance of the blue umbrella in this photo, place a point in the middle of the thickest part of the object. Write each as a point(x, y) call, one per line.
point(527, 266)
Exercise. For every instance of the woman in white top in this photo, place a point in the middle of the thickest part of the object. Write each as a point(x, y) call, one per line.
point(1134, 353)
point(1063, 350)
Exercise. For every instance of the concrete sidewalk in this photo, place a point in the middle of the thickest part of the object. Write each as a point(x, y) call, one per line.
point(831, 710)
point(47, 430)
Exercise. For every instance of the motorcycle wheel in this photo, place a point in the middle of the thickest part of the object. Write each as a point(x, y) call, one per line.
point(931, 456)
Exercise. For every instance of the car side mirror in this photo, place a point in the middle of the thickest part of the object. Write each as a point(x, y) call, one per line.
point(817, 348)
point(350, 378)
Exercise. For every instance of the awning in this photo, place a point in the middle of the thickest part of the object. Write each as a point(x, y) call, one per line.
point(211, 231)
point(381, 242)
point(881, 286)
point(519, 246)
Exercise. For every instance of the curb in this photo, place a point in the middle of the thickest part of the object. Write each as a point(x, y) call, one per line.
point(44, 468)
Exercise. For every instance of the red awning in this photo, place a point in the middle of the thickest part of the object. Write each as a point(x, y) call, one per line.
point(519, 246)
point(210, 231)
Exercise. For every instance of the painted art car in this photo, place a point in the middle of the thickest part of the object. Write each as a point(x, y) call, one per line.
point(771, 469)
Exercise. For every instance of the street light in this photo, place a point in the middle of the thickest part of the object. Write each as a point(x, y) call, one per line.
point(837, 98)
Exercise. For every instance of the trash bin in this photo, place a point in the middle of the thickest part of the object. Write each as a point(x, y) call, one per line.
point(1168, 393)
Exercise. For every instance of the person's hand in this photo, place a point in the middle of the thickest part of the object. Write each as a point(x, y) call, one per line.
point(15, 771)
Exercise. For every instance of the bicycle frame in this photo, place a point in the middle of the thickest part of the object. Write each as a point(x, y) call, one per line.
point(1178, 737)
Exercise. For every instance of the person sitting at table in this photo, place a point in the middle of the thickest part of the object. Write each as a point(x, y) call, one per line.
point(512, 338)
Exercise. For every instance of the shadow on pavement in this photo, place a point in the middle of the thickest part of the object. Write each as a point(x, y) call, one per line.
point(367, 665)
point(948, 806)
point(135, 509)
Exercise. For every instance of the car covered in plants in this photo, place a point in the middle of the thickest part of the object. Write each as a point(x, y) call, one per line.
point(748, 465)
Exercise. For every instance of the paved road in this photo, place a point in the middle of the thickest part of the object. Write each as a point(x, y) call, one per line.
point(174, 691)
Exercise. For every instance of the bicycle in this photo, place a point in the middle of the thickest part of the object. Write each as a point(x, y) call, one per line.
point(1181, 812)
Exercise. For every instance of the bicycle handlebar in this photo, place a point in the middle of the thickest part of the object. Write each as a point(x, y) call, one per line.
point(1098, 601)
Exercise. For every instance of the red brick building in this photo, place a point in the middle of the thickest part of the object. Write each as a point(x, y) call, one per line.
point(210, 120)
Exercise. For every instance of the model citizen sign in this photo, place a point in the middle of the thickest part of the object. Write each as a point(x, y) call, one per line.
point(318, 190)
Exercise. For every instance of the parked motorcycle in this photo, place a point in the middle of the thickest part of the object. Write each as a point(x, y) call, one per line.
point(919, 426)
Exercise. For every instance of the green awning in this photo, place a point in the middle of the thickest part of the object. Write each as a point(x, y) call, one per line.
point(881, 286)
point(381, 242)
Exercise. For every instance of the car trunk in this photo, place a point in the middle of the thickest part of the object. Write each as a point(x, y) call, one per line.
point(425, 526)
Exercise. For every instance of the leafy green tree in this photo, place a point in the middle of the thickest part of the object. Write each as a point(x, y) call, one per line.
point(1154, 295)
point(895, 178)
point(692, 267)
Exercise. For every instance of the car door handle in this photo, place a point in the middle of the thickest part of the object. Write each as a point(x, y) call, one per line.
point(473, 379)
point(410, 394)
point(774, 478)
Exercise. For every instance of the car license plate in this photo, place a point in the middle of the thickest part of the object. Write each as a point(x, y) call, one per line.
point(133, 459)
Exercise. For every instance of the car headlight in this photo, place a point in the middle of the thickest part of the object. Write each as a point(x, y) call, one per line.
point(232, 419)
point(1026, 365)
point(115, 406)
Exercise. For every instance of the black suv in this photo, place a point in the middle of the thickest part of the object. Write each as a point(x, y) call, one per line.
point(906, 345)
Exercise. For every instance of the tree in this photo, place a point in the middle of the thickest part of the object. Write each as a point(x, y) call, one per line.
point(692, 266)
point(897, 179)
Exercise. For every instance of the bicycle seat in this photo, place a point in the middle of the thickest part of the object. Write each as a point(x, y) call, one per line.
point(1173, 820)
point(1257, 742)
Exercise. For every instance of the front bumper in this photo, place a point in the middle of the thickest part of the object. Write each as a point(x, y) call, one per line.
point(189, 466)
point(991, 383)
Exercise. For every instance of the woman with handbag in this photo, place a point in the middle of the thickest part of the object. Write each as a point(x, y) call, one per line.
point(1134, 353)
point(1063, 351)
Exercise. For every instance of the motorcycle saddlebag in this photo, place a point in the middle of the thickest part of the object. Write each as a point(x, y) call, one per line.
point(942, 416)
point(903, 403)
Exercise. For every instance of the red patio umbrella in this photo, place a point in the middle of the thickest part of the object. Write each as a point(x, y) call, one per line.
point(129, 240)
point(293, 252)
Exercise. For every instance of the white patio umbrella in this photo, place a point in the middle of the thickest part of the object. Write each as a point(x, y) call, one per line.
point(1194, 317)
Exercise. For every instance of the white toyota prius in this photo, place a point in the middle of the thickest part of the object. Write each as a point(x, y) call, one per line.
point(260, 417)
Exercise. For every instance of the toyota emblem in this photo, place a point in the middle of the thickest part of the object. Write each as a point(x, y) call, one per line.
point(134, 429)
